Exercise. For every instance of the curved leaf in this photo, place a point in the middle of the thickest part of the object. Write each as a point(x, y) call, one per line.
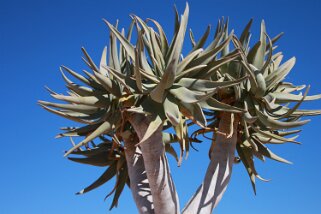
point(105, 177)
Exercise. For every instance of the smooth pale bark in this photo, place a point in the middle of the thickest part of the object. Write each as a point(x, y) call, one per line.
point(165, 198)
point(219, 171)
point(136, 171)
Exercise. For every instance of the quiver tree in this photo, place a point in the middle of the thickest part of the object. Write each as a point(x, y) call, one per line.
point(147, 95)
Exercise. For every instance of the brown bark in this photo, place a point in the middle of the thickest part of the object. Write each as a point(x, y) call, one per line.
point(219, 171)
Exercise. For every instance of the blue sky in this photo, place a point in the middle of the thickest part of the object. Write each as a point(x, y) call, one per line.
point(36, 37)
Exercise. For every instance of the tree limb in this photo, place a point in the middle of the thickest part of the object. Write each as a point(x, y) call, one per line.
point(219, 171)
point(165, 198)
point(136, 170)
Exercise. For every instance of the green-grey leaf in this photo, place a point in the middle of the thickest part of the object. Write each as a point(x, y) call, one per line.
point(155, 123)
point(98, 101)
point(104, 128)
point(128, 47)
point(105, 177)
point(100, 160)
point(268, 153)
point(77, 108)
point(279, 74)
point(284, 97)
point(203, 39)
point(276, 124)
point(177, 45)
point(207, 85)
point(121, 182)
point(171, 110)
point(110, 85)
point(170, 149)
point(215, 105)
point(189, 96)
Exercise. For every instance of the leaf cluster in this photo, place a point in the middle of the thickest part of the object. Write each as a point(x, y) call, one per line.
point(152, 77)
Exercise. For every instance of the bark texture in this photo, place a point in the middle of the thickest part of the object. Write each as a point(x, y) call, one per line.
point(164, 194)
point(219, 171)
point(136, 171)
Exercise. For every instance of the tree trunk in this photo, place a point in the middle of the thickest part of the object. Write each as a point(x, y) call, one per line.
point(165, 198)
point(136, 170)
point(219, 171)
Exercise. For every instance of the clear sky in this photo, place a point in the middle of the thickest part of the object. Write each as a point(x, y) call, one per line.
point(36, 37)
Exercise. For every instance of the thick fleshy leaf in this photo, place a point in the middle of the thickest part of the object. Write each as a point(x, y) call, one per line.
point(90, 61)
point(279, 74)
point(167, 80)
point(177, 44)
point(128, 47)
point(215, 65)
point(103, 62)
point(269, 134)
point(121, 182)
point(162, 36)
point(171, 110)
point(246, 33)
point(114, 49)
point(285, 97)
point(194, 112)
point(93, 80)
point(76, 75)
point(258, 59)
point(297, 105)
point(275, 39)
point(245, 64)
point(169, 138)
point(288, 132)
point(121, 78)
point(261, 85)
point(247, 136)
point(82, 131)
point(155, 123)
point(98, 101)
point(62, 114)
point(104, 128)
point(208, 55)
point(192, 38)
point(110, 85)
point(170, 149)
point(245, 160)
point(138, 76)
point(268, 61)
point(286, 87)
point(71, 107)
point(207, 85)
point(189, 96)
point(268, 153)
point(303, 112)
point(202, 40)
point(277, 59)
point(276, 124)
point(77, 89)
point(185, 62)
point(143, 60)
point(226, 49)
point(215, 105)
point(180, 131)
point(247, 115)
point(270, 140)
point(157, 50)
point(105, 177)
point(99, 149)
point(193, 71)
point(100, 160)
